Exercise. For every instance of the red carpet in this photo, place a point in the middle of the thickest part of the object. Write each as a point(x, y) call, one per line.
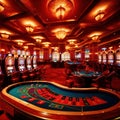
point(55, 75)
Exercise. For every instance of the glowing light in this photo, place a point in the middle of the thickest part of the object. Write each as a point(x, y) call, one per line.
point(29, 28)
point(5, 35)
point(1, 8)
point(61, 34)
point(60, 12)
point(60, 8)
point(99, 15)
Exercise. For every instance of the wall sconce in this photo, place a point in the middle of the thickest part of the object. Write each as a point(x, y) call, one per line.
point(5, 35)
point(29, 29)
point(99, 16)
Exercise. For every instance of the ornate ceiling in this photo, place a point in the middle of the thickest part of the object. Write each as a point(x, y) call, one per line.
point(85, 21)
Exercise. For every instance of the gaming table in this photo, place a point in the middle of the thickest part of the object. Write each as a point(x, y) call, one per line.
point(41, 100)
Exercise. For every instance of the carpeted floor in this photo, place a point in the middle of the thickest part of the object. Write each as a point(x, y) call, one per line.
point(54, 75)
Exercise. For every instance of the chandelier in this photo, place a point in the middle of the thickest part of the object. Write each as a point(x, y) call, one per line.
point(99, 16)
point(29, 29)
point(5, 35)
point(95, 37)
point(72, 41)
point(60, 8)
point(60, 12)
point(61, 34)
point(38, 40)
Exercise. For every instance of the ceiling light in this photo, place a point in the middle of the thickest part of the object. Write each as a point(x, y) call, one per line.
point(60, 8)
point(72, 41)
point(1, 8)
point(95, 37)
point(60, 12)
point(25, 47)
point(29, 29)
point(46, 44)
point(61, 34)
point(38, 40)
point(20, 43)
point(4, 35)
point(99, 16)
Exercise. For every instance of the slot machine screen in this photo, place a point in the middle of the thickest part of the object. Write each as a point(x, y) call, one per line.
point(99, 58)
point(21, 61)
point(9, 63)
point(118, 58)
point(28, 61)
point(110, 58)
point(29, 65)
point(104, 58)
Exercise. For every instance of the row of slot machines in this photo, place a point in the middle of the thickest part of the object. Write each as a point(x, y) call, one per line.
point(12, 69)
point(110, 57)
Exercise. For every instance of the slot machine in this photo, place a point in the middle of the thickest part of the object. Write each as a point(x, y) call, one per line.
point(117, 61)
point(2, 77)
point(9, 64)
point(21, 68)
point(111, 60)
point(29, 67)
point(29, 63)
point(34, 60)
point(10, 70)
point(110, 57)
point(99, 58)
point(117, 56)
point(21, 63)
point(104, 57)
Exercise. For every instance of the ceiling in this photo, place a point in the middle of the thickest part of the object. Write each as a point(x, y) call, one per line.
point(78, 21)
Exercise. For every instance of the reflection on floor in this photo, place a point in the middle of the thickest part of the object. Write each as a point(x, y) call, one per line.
point(58, 75)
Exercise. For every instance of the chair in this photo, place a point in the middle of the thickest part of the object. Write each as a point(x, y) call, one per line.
point(99, 82)
point(109, 78)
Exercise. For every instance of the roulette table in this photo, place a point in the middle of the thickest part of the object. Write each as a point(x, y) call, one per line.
point(40, 100)
point(87, 77)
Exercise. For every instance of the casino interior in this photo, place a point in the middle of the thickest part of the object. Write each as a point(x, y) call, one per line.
point(60, 59)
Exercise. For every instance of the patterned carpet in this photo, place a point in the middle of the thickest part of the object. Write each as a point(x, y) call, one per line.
point(54, 75)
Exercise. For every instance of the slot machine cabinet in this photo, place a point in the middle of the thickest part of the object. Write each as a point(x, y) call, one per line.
point(104, 61)
point(21, 63)
point(117, 61)
point(99, 58)
point(2, 76)
point(11, 73)
point(30, 68)
point(21, 68)
point(117, 56)
point(29, 63)
point(34, 60)
point(111, 59)
point(36, 68)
